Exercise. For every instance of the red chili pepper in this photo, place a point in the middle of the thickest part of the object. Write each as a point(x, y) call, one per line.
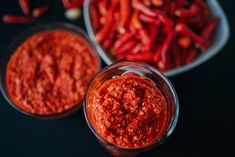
point(141, 57)
point(103, 32)
point(147, 19)
point(157, 3)
point(25, 6)
point(208, 31)
point(192, 11)
point(171, 9)
point(143, 8)
point(17, 19)
point(125, 48)
point(164, 19)
point(110, 39)
point(182, 28)
point(144, 37)
point(192, 54)
point(135, 22)
point(126, 38)
point(94, 17)
point(184, 42)
point(153, 35)
point(203, 6)
point(40, 10)
point(125, 12)
point(166, 46)
point(102, 6)
point(176, 55)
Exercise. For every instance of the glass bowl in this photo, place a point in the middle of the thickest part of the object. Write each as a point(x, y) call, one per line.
point(144, 71)
point(220, 39)
point(19, 40)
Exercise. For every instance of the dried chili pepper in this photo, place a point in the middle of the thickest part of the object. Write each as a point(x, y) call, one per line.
point(166, 46)
point(166, 29)
point(110, 39)
point(25, 6)
point(157, 3)
point(144, 9)
point(208, 31)
point(102, 5)
point(176, 55)
point(94, 17)
point(140, 57)
point(192, 54)
point(39, 11)
point(135, 20)
point(17, 19)
point(182, 28)
point(125, 48)
point(192, 11)
point(125, 11)
point(126, 37)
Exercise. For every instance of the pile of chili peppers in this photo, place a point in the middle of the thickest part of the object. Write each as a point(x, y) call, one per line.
point(163, 33)
point(30, 14)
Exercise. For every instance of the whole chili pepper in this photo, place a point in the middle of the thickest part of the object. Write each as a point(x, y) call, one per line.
point(176, 55)
point(110, 39)
point(146, 18)
point(135, 22)
point(166, 46)
point(143, 8)
point(17, 19)
point(203, 6)
point(144, 37)
point(153, 35)
point(125, 12)
point(164, 19)
point(171, 9)
point(126, 38)
point(208, 31)
point(157, 3)
point(94, 17)
point(25, 6)
point(141, 57)
point(103, 32)
point(125, 48)
point(182, 28)
point(102, 5)
point(192, 54)
point(40, 10)
point(192, 11)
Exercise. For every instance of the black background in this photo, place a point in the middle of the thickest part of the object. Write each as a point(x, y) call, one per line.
point(206, 125)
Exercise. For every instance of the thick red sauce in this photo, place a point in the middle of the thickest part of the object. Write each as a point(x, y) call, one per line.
point(49, 72)
point(128, 111)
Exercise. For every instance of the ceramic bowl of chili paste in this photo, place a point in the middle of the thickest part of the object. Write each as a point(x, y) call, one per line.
point(173, 36)
point(46, 70)
point(130, 107)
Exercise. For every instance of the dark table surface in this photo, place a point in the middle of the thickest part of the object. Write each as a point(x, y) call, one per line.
point(206, 125)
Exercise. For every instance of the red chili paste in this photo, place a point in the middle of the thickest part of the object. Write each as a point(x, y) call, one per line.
point(49, 72)
point(128, 111)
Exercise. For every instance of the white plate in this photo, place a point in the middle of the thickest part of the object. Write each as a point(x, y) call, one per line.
point(221, 37)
